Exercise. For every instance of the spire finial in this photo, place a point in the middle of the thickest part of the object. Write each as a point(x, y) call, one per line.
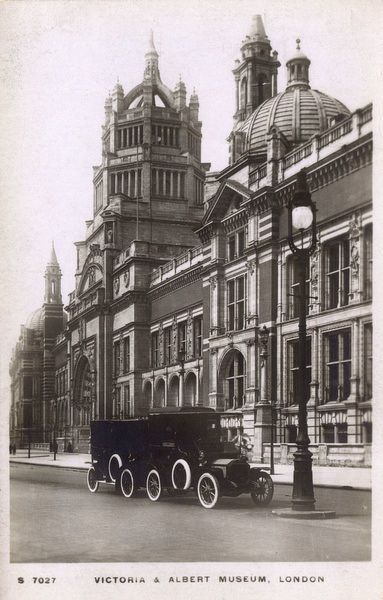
point(298, 43)
point(53, 259)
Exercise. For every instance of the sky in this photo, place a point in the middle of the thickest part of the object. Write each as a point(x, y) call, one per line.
point(59, 59)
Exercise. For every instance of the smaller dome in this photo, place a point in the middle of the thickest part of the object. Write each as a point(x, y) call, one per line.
point(298, 113)
point(35, 320)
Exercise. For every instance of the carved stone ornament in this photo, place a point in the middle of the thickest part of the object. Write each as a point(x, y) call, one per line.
point(213, 282)
point(354, 259)
point(116, 285)
point(354, 226)
point(95, 249)
point(91, 276)
point(251, 264)
point(127, 278)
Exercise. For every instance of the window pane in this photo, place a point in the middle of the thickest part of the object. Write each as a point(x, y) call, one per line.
point(240, 288)
point(241, 242)
point(230, 288)
point(333, 282)
point(346, 345)
point(333, 257)
point(333, 342)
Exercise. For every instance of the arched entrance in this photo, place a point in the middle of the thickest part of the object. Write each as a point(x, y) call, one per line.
point(190, 393)
point(159, 394)
point(82, 398)
point(232, 379)
point(173, 391)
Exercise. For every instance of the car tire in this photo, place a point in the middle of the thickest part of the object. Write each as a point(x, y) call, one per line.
point(208, 490)
point(262, 489)
point(127, 483)
point(153, 485)
point(182, 468)
point(114, 466)
point(91, 480)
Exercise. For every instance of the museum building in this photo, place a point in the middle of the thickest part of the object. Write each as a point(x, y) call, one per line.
point(186, 287)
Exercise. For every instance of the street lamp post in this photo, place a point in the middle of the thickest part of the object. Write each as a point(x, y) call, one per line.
point(302, 218)
point(264, 339)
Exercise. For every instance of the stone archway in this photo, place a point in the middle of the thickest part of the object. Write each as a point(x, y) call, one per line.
point(147, 395)
point(232, 379)
point(159, 394)
point(173, 391)
point(82, 396)
point(190, 393)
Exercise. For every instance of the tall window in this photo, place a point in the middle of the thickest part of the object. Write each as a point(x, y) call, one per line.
point(368, 262)
point(168, 346)
point(126, 354)
point(117, 358)
point(27, 387)
point(182, 338)
point(198, 336)
point(236, 303)
point(236, 243)
point(236, 381)
point(293, 298)
point(117, 404)
point(337, 273)
point(128, 402)
point(155, 350)
point(368, 361)
point(337, 365)
point(293, 370)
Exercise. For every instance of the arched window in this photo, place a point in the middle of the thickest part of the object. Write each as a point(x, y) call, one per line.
point(244, 92)
point(263, 88)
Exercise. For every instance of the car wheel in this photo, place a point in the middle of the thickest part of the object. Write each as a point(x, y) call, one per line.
point(208, 490)
point(181, 475)
point(91, 480)
point(115, 464)
point(127, 484)
point(262, 489)
point(153, 485)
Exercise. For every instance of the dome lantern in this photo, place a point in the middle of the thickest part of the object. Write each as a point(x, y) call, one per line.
point(298, 69)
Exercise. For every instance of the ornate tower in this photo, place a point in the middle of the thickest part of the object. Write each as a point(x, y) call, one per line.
point(255, 79)
point(53, 280)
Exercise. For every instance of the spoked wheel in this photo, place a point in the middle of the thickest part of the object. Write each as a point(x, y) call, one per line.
point(262, 489)
point(91, 480)
point(208, 490)
point(127, 484)
point(115, 464)
point(153, 485)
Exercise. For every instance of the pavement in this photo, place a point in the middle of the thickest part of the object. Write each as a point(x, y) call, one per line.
point(358, 478)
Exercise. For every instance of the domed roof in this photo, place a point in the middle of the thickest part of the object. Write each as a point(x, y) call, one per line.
point(299, 112)
point(35, 320)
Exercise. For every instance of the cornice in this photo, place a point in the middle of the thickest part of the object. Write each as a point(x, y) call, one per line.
point(186, 278)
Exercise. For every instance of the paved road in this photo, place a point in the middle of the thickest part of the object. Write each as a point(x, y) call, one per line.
point(55, 519)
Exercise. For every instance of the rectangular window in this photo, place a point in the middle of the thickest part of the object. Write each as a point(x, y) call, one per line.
point(293, 298)
point(198, 336)
point(27, 387)
point(236, 303)
point(337, 365)
point(117, 357)
point(328, 436)
point(126, 354)
point(293, 370)
point(168, 345)
point(337, 273)
point(117, 404)
point(368, 262)
point(368, 361)
point(182, 339)
point(155, 351)
point(128, 403)
point(236, 244)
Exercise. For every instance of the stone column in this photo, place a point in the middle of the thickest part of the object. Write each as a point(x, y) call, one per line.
point(181, 388)
point(352, 400)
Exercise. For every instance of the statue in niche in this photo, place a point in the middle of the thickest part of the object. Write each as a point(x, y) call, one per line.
point(91, 276)
point(116, 285)
point(127, 278)
point(109, 236)
point(354, 260)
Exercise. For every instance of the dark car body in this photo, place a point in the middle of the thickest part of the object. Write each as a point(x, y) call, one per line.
point(176, 449)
